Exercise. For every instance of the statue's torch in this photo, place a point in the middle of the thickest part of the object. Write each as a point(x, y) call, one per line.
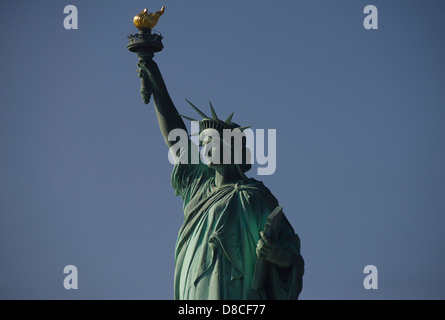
point(145, 43)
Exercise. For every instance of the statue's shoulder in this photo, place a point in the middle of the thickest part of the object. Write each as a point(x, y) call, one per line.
point(256, 190)
point(251, 184)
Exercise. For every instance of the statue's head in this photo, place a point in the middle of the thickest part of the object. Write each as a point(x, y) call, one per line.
point(224, 142)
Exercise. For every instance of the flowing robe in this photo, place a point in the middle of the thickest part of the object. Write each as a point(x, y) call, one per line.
point(216, 247)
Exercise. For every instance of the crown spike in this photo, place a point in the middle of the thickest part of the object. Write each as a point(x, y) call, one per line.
point(213, 111)
point(229, 119)
point(188, 118)
point(243, 128)
point(202, 114)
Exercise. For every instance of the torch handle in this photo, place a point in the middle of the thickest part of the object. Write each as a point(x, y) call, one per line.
point(146, 90)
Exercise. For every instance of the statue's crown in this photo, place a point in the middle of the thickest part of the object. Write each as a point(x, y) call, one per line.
point(214, 122)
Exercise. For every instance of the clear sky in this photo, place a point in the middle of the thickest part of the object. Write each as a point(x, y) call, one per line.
point(359, 114)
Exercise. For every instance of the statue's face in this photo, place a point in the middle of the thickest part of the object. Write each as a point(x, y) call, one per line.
point(212, 148)
point(216, 150)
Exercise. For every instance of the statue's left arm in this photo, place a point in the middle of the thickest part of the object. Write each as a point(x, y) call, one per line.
point(285, 275)
point(271, 251)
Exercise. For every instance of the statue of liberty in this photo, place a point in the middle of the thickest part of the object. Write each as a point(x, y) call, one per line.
point(223, 237)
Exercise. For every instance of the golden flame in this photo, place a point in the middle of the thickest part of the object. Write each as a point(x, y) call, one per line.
point(146, 20)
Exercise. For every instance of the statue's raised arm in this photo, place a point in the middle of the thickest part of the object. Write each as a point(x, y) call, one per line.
point(168, 117)
point(146, 43)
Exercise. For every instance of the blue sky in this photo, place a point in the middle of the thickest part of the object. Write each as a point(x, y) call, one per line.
point(84, 173)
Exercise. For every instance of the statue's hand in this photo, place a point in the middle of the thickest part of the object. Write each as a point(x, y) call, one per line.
point(272, 252)
point(142, 73)
point(149, 70)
